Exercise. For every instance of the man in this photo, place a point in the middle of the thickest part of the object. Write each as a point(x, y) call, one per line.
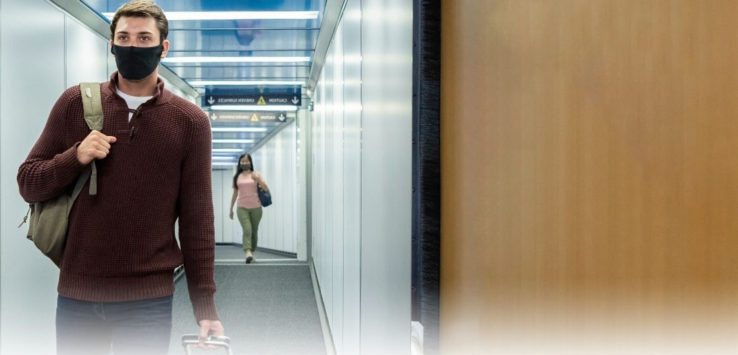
point(153, 162)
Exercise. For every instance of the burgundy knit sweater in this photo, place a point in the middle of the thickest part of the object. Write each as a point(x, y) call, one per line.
point(121, 244)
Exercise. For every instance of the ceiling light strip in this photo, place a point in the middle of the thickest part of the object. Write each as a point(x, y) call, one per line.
point(236, 59)
point(227, 150)
point(244, 141)
point(245, 82)
point(213, 29)
point(240, 129)
point(234, 15)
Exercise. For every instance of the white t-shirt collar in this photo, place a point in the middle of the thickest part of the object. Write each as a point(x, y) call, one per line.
point(133, 102)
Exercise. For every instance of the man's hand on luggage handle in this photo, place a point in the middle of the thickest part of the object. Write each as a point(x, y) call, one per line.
point(207, 328)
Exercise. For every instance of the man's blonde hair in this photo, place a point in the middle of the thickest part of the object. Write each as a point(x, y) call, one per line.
point(142, 8)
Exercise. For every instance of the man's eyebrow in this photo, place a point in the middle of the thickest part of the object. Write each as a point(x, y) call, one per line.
point(140, 33)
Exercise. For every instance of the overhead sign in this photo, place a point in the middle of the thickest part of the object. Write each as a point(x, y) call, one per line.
point(258, 96)
point(250, 99)
point(251, 116)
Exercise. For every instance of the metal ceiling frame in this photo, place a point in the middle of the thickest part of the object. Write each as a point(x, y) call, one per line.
point(238, 50)
point(246, 29)
point(331, 16)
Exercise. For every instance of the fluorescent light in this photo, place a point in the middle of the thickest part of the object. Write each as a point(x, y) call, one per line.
point(225, 158)
point(258, 108)
point(236, 60)
point(245, 82)
point(233, 141)
point(227, 150)
point(234, 15)
point(217, 163)
point(239, 129)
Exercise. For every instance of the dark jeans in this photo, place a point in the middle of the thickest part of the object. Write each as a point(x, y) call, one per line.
point(97, 328)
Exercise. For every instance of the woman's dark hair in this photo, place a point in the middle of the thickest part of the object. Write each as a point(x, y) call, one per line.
point(238, 167)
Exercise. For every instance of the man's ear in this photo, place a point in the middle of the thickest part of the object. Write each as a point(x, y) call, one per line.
point(111, 45)
point(166, 48)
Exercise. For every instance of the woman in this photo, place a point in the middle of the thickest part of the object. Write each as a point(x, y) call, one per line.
point(249, 206)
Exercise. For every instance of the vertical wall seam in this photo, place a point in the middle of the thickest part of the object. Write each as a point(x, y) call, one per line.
point(1, 159)
point(66, 52)
point(361, 164)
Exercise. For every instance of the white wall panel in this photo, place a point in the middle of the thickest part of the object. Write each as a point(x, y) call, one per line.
point(361, 178)
point(277, 162)
point(329, 182)
point(336, 176)
point(386, 159)
point(220, 204)
point(222, 192)
point(351, 36)
point(86, 54)
point(32, 65)
point(302, 142)
point(227, 234)
point(336, 181)
point(319, 203)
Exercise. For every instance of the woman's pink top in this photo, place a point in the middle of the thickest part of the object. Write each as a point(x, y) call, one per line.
point(248, 197)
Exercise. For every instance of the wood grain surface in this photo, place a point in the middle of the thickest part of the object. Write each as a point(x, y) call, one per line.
point(590, 177)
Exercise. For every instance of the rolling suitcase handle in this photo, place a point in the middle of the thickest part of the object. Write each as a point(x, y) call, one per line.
point(219, 342)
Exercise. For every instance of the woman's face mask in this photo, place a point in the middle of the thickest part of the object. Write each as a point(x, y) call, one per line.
point(246, 166)
point(136, 63)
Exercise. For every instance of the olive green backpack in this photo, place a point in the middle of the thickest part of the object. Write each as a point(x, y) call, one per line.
point(49, 219)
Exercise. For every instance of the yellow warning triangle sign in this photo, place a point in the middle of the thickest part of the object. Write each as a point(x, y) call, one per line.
point(261, 101)
point(254, 118)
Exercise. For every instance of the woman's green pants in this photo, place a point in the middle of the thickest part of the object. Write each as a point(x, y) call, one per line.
point(249, 218)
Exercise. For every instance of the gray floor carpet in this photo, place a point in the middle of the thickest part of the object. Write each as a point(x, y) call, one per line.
point(266, 309)
point(230, 252)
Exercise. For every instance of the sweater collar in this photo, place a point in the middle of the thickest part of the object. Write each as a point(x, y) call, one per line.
point(160, 97)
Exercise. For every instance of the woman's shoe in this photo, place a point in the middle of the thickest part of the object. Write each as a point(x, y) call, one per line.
point(249, 259)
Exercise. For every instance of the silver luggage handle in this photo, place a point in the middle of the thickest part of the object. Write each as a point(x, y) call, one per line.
point(218, 341)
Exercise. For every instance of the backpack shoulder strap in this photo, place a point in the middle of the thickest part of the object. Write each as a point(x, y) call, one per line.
point(92, 105)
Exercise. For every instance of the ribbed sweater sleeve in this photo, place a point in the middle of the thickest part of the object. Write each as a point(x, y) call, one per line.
point(196, 221)
point(52, 164)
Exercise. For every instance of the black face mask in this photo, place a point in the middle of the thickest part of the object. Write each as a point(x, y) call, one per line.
point(136, 63)
point(245, 166)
